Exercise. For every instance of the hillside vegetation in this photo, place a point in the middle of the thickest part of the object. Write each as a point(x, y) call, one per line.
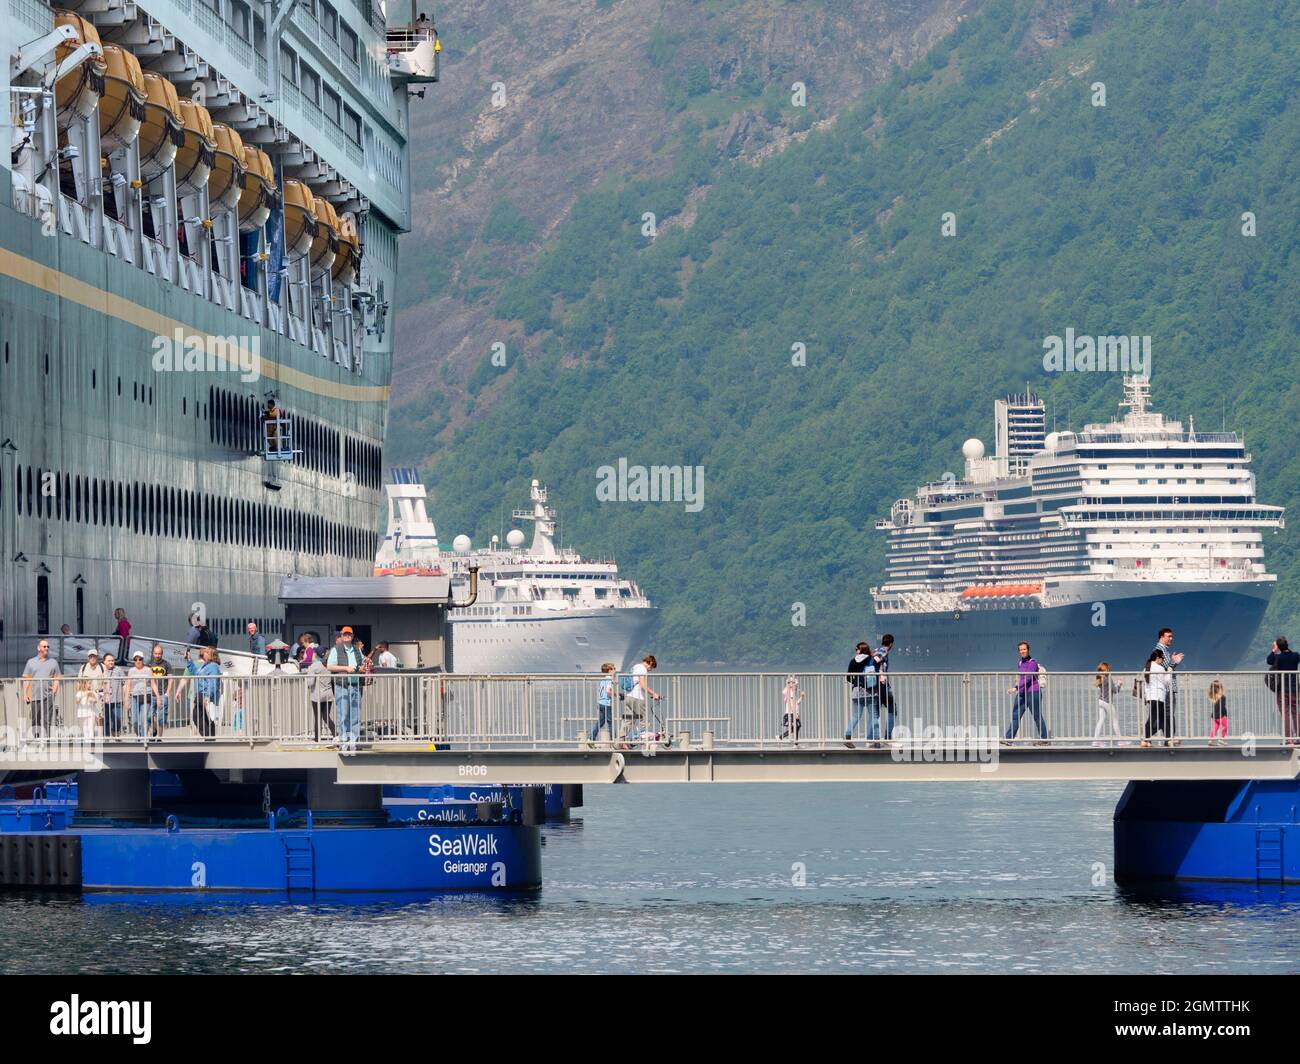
point(677, 349)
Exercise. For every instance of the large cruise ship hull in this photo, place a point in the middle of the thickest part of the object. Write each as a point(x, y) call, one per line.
point(203, 522)
point(1212, 626)
point(575, 641)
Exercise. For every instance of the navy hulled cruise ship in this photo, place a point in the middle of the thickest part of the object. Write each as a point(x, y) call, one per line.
point(199, 212)
point(1083, 543)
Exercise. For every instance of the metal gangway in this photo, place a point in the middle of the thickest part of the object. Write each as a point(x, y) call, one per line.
point(429, 727)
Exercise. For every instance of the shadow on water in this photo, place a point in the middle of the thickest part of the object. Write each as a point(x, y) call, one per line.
point(1175, 897)
point(378, 903)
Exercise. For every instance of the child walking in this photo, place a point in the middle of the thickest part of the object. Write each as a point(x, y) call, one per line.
point(605, 700)
point(1107, 690)
point(791, 696)
point(1218, 713)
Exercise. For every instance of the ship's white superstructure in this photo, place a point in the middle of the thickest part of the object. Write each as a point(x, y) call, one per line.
point(540, 609)
point(1090, 538)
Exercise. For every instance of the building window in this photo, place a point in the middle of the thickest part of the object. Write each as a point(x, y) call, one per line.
point(329, 21)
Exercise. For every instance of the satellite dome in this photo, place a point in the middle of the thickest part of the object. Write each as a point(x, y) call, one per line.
point(536, 483)
point(1053, 438)
point(460, 544)
point(972, 449)
point(515, 538)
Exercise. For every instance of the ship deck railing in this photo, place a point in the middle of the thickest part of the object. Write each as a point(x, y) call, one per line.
point(742, 711)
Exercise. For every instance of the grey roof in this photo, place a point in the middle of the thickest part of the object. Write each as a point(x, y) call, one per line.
point(357, 590)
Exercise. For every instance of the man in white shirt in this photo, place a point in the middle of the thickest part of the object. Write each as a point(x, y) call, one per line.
point(386, 659)
point(634, 705)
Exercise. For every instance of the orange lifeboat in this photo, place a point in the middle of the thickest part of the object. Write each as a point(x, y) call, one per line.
point(325, 244)
point(121, 109)
point(77, 93)
point(197, 154)
point(227, 178)
point(258, 196)
point(348, 259)
point(299, 217)
point(161, 133)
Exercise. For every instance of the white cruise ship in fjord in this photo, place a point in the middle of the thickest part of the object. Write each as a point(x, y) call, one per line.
point(1084, 544)
point(540, 609)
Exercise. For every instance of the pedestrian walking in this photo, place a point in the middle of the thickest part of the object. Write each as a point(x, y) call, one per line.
point(1028, 694)
point(1159, 711)
point(1107, 693)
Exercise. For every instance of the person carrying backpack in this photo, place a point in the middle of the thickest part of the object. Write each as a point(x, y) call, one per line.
point(635, 689)
point(863, 677)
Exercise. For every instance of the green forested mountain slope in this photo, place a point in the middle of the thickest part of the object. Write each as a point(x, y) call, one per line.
point(1117, 219)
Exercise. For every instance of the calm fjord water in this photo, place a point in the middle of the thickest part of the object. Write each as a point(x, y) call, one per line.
point(990, 877)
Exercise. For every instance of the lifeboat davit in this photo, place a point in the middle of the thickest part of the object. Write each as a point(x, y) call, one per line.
point(325, 244)
point(77, 93)
point(121, 109)
point(227, 179)
point(197, 154)
point(162, 132)
point(299, 217)
point(347, 261)
point(258, 196)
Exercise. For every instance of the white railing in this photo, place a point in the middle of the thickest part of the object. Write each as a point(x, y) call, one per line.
point(262, 703)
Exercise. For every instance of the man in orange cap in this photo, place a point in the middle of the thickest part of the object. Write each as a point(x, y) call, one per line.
point(345, 662)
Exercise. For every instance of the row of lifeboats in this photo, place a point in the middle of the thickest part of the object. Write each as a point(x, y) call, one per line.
point(1001, 590)
point(179, 133)
point(407, 570)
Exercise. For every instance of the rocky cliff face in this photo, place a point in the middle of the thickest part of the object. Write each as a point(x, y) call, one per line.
point(544, 100)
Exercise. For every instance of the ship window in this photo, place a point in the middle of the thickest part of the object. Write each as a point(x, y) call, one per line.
point(310, 84)
point(331, 105)
point(288, 65)
point(92, 378)
point(119, 385)
point(352, 125)
point(239, 18)
point(42, 605)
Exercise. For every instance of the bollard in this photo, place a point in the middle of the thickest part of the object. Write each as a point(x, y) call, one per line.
point(534, 805)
